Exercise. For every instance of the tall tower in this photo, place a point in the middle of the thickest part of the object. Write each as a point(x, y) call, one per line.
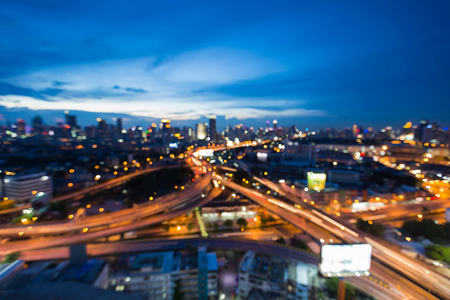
point(275, 126)
point(200, 129)
point(102, 129)
point(38, 125)
point(71, 120)
point(212, 128)
point(165, 126)
point(119, 125)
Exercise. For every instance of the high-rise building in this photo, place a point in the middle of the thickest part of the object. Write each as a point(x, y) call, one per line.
point(71, 120)
point(212, 128)
point(155, 275)
point(420, 130)
point(38, 125)
point(285, 280)
point(119, 126)
point(200, 130)
point(23, 188)
point(188, 134)
point(165, 126)
point(102, 129)
point(275, 126)
point(20, 127)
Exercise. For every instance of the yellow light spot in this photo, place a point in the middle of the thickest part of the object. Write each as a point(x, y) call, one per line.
point(70, 184)
point(70, 216)
point(255, 219)
point(34, 192)
point(115, 173)
point(20, 232)
point(85, 229)
point(97, 167)
point(312, 202)
point(125, 169)
point(71, 170)
point(408, 238)
point(150, 198)
point(179, 228)
point(419, 216)
point(101, 209)
point(88, 206)
point(265, 173)
point(293, 186)
point(268, 192)
point(370, 222)
point(34, 218)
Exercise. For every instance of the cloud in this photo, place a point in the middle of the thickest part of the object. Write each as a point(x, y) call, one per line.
point(218, 65)
point(138, 87)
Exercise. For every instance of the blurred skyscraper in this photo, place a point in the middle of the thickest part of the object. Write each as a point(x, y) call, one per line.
point(200, 130)
point(212, 128)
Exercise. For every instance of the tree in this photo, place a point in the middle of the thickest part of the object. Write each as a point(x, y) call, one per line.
point(239, 175)
point(166, 227)
point(11, 257)
point(370, 227)
point(177, 293)
point(7, 204)
point(281, 241)
point(427, 228)
point(332, 284)
point(190, 226)
point(241, 222)
point(438, 252)
point(300, 244)
point(228, 223)
point(263, 221)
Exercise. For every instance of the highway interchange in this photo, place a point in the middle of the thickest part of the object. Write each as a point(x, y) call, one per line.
point(404, 277)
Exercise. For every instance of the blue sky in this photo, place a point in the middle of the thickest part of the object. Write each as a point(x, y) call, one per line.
point(313, 64)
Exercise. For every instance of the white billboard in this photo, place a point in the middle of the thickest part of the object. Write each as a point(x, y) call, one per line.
point(345, 260)
point(206, 152)
point(261, 156)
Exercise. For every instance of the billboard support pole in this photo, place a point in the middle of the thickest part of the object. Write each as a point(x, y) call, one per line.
point(341, 290)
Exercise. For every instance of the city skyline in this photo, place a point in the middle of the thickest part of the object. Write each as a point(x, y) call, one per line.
point(61, 119)
point(374, 64)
